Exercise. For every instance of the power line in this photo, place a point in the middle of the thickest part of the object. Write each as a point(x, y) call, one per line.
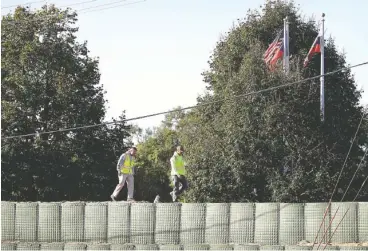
point(11, 6)
point(356, 196)
point(121, 5)
point(187, 108)
point(79, 3)
point(68, 5)
point(78, 11)
point(101, 5)
point(356, 171)
point(334, 190)
point(360, 189)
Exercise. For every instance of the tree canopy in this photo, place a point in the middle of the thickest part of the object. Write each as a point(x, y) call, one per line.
point(270, 146)
point(50, 82)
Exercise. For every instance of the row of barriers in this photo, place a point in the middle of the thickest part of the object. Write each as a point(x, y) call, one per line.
point(106, 246)
point(187, 223)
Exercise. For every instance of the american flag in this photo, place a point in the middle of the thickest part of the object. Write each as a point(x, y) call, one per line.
point(272, 54)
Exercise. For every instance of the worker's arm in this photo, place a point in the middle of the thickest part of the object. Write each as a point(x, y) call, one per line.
point(120, 163)
point(173, 168)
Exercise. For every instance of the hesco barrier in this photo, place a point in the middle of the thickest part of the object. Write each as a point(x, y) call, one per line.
point(347, 231)
point(72, 221)
point(193, 223)
point(221, 226)
point(313, 216)
point(217, 223)
point(95, 228)
point(267, 223)
point(107, 246)
point(291, 221)
point(142, 223)
point(363, 221)
point(167, 223)
point(242, 222)
point(118, 221)
point(49, 222)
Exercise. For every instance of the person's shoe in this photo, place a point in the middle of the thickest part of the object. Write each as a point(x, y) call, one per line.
point(173, 196)
point(112, 197)
point(157, 199)
point(131, 200)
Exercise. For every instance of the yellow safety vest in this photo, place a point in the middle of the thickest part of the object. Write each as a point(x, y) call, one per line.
point(127, 165)
point(179, 165)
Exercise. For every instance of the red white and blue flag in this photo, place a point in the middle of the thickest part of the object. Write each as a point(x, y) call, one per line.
point(275, 51)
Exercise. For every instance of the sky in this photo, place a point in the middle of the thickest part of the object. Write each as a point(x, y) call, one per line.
point(152, 53)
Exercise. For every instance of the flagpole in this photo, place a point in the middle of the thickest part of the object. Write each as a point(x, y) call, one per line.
point(322, 79)
point(286, 45)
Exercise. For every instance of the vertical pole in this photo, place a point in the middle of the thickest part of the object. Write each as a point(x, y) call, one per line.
point(322, 79)
point(286, 46)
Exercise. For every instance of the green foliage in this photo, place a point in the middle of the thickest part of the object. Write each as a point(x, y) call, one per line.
point(274, 141)
point(154, 153)
point(49, 82)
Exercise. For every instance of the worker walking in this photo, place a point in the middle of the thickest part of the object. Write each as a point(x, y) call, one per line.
point(125, 168)
point(178, 173)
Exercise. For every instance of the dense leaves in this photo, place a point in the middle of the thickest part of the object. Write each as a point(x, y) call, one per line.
point(269, 146)
point(274, 142)
point(49, 82)
point(272, 146)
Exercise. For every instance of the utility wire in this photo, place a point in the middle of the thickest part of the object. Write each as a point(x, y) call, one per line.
point(68, 5)
point(334, 190)
point(121, 5)
point(356, 171)
point(11, 6)
point(88, 9)
point(78, 11)
point(187, 108)
point(356, 196)
point(360, 189)
point(102, 5)
point(78, 3)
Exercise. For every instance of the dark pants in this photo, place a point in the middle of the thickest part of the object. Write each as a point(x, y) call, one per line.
point(180, 184)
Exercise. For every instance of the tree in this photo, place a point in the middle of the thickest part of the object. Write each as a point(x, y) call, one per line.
point(274, 141)
point(153, 158)
point(50, 82)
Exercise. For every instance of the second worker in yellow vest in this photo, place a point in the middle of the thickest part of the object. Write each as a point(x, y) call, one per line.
point(178, 173)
